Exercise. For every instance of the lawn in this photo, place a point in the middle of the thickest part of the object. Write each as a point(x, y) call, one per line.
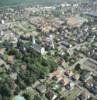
point(72, 94)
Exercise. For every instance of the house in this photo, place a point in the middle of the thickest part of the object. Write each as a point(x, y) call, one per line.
point(64, 81)
point(24, 67)
point(39, 49)
point(51, 95)
point(76, 76)
point(94, 88)
point(13, 76)
point(84, 96)
point(56, 87)
point(36, 84)
point(56, 73)
point(68, 73)
point(89, 84)
point(2, 21)
point(10, 59)
point(85, 76)
point(70, 86)
point(62, 62)
point(41, 88)
point(2, 50)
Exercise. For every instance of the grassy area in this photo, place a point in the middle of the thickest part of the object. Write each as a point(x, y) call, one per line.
point(73, 94)
point(25, 26)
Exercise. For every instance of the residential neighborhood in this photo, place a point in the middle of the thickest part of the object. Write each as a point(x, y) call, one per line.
point(49, 52)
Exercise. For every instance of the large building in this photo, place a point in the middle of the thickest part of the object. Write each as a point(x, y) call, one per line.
point(38, 49)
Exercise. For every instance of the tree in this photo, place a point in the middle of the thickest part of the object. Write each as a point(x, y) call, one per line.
point(6, 98)
point(36, 97)
point(18, 55)
point(7, 44)
point(66, 57)
point(63, 98)
point(12, 51)
point(78, 67)
point(26, 96)
point(52, 65)
point(17, 90)
point(5, 90)
point(20, 83)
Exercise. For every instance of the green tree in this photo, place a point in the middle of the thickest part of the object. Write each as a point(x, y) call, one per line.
point(78, 67)
point(36, 97)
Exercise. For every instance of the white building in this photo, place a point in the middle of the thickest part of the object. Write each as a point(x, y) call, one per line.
point(38, 49)
point(2, 21)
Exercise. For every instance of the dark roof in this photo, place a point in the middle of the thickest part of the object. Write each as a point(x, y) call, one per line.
point(50, 94)
point(85, 75)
